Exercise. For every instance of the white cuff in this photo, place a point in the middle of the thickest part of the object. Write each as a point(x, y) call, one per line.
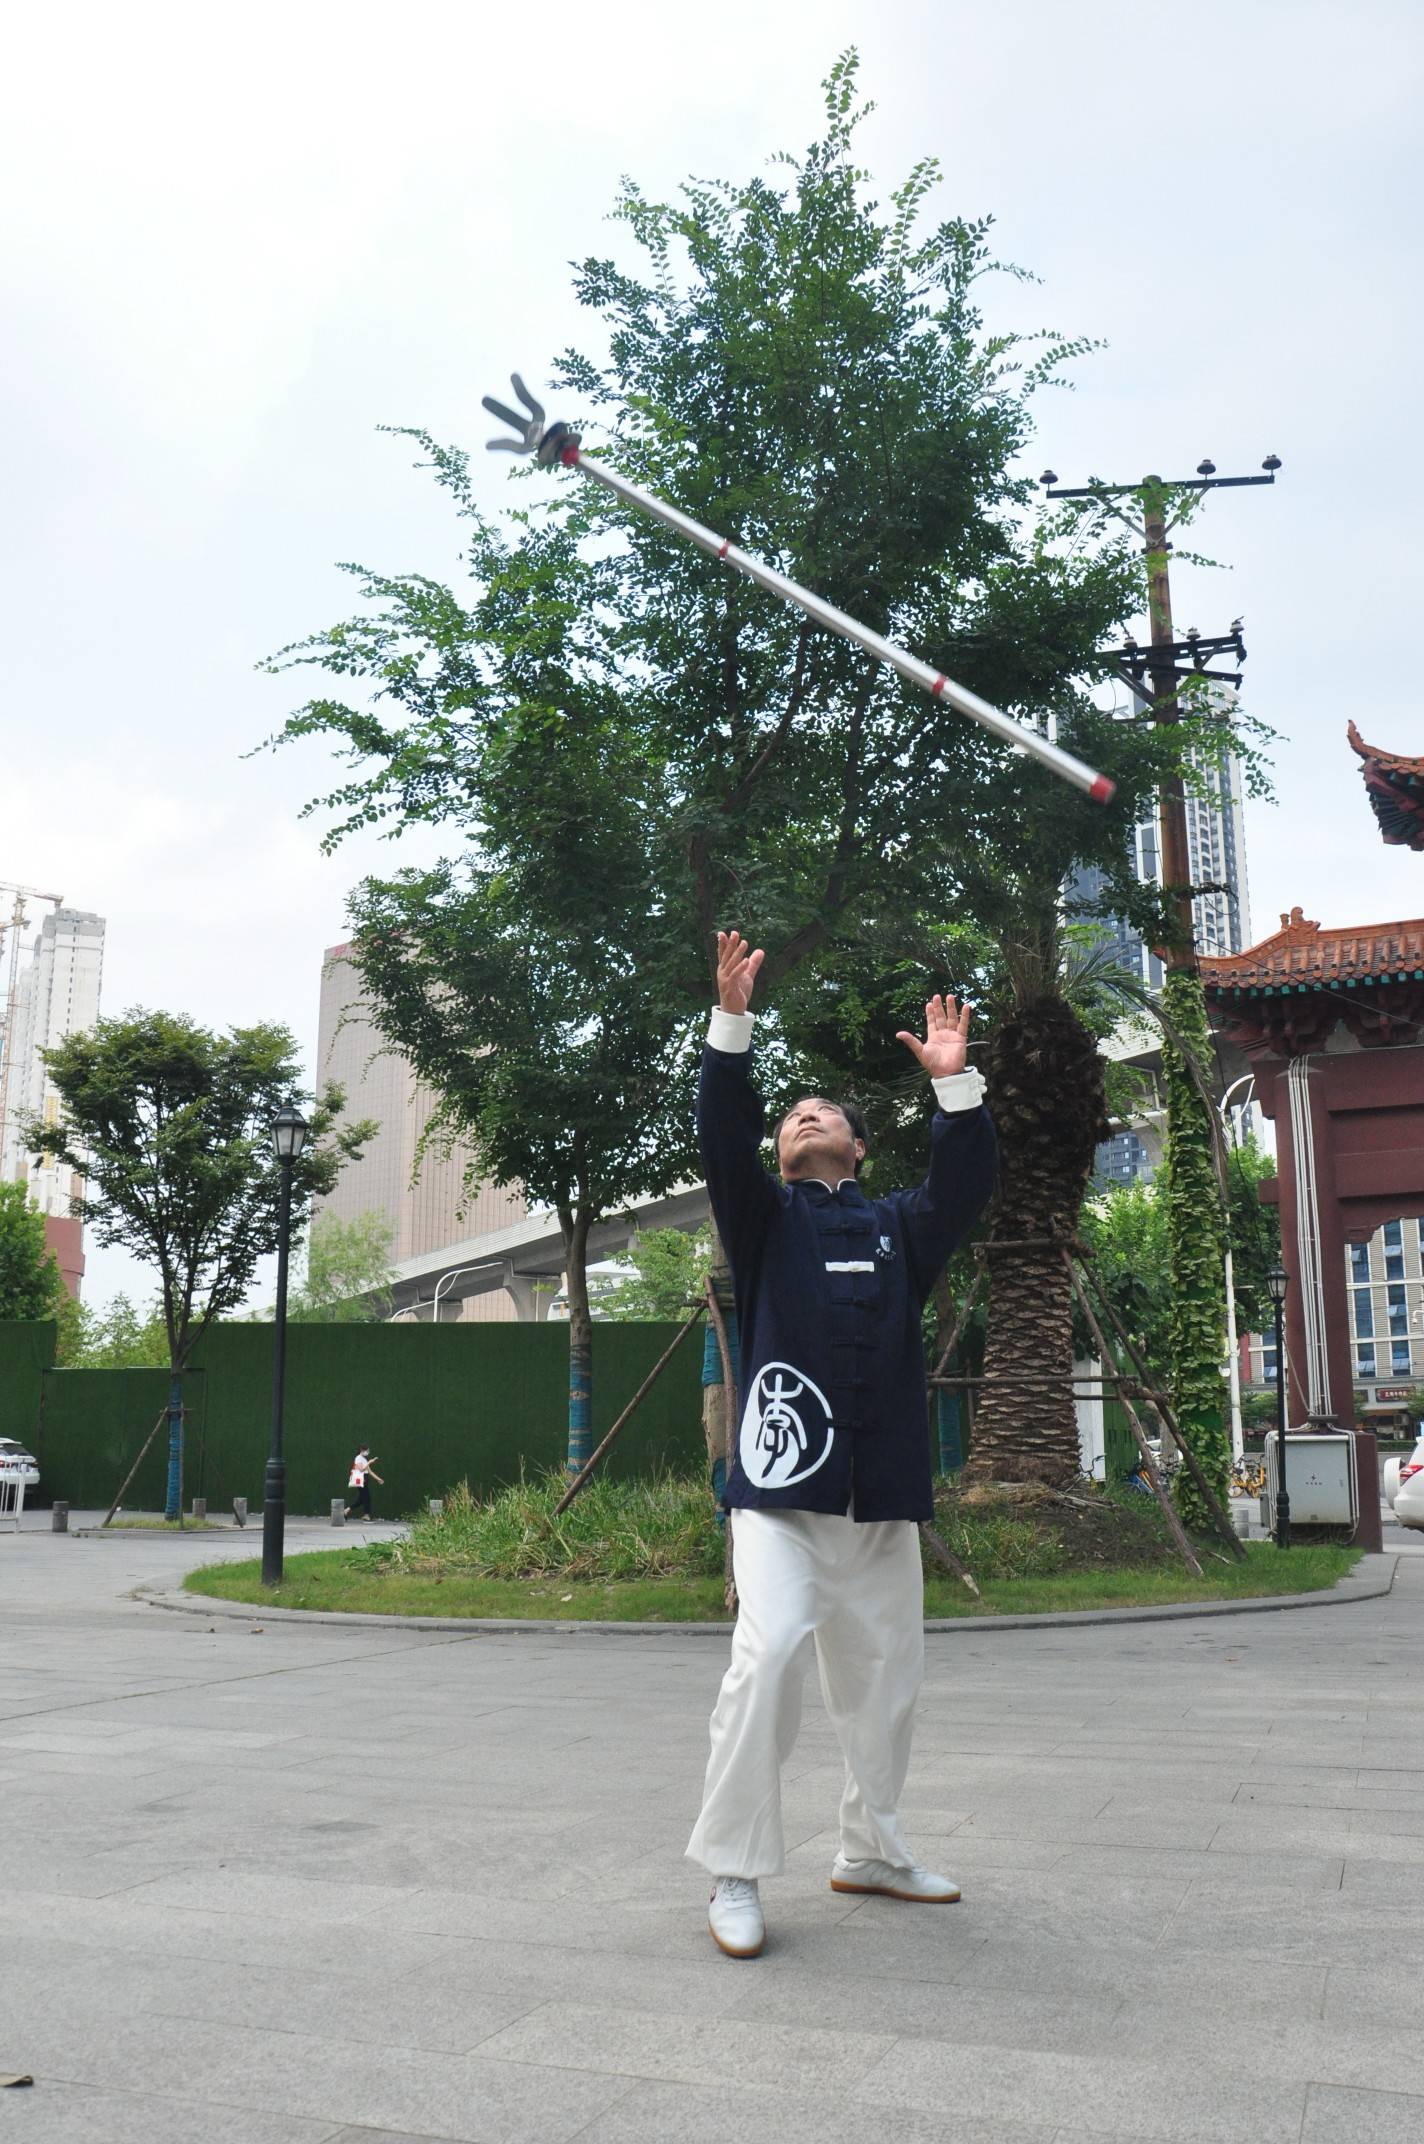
point(730, 1031)
point(960, 1090)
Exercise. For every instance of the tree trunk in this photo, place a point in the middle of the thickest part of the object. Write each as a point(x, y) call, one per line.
point(1045, 1082)
point(574, 1226)
point(1027, 1430)
point(173, 1506)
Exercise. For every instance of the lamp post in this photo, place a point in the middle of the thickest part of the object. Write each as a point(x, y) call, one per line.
point(1277, 1281)
point(290, 1131)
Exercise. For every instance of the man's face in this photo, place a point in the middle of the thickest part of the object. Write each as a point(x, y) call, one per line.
point(816, 1140)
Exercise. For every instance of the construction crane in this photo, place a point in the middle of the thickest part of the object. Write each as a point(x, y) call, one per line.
point(13, 926)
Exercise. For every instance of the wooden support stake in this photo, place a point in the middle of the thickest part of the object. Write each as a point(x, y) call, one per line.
point(136, 1465)
point(1159, 1400)
point(586, 1471)
point(945, 1555)
point(1178, 1531)
point(960, 1322)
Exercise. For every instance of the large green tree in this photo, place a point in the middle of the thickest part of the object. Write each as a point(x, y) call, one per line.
point(169, 1126)
point(807, 369)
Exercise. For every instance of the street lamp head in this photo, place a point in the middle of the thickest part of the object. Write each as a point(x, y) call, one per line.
point(1206, 467)
point(1277, 1282)
point(290, 1132)
point(1271, 464)
point(1050, 476)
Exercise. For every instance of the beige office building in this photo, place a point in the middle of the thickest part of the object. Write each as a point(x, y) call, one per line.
point(437, 1209)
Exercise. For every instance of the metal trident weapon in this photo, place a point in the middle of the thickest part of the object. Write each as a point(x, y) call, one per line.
point(557, 444)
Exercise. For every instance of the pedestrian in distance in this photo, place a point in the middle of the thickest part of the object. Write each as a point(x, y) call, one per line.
point(832, 1463)
point(363, 1473)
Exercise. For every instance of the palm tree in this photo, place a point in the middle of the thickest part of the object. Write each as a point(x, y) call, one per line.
point(1046, 1088)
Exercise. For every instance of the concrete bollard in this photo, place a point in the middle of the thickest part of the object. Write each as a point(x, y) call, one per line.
point(437, 1505)
point(239, 1510)
point(338, 1511)
point(59, 1519)
point(200, 1510)
point(1241, 1521)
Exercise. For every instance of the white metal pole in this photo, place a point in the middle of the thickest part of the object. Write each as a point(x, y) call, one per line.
point(934, 682)
point(557, 443)
point(1233, 1356)
point(1233, 1351)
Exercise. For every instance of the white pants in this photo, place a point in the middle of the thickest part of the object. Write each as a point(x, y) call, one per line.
point(856, 1593)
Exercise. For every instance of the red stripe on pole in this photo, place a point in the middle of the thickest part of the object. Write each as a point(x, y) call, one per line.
point(724, 550)
point(1103, 791)
point(938, 686)
point(569, 455)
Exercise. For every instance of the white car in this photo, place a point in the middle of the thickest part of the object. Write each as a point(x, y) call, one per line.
point(1408, 1498)
point(17, 1466)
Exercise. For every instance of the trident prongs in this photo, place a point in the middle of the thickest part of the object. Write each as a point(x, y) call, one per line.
point(530, 428)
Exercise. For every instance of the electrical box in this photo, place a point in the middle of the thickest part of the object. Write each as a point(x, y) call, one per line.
point(1320, 1477)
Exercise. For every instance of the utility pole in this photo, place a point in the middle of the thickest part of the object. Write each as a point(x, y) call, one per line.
point(1168, 662)
point(1156, 673)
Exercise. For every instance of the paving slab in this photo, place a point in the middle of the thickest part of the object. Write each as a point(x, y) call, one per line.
point(1336, 2116)
point(293, 1883)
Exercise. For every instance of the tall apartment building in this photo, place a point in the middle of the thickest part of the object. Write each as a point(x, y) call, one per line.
point(56, 994)
point(1386, 1286)
point(426, 1211)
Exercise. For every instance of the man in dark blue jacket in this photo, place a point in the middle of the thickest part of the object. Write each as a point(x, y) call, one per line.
point(832, 1462)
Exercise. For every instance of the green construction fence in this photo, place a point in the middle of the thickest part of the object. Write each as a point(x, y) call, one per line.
point(436, 1404)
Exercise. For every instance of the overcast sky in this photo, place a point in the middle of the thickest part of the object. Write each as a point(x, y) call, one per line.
point(236, 242)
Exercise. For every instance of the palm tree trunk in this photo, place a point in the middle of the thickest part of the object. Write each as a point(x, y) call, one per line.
point(1045, 1081)
point(1026, 1428)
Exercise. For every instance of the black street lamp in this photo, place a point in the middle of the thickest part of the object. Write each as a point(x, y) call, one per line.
point(1277, 1281)
point(290, 1131)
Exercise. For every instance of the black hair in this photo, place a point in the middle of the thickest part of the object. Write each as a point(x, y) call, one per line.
point(859, 1129)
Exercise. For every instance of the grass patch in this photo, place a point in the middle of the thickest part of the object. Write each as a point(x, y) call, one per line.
point(337, 1579)
point(614, 1530)
point(138, 1524)
point(649, 1552)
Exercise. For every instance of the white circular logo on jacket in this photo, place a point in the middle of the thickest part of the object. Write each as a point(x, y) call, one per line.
point(786, 1428)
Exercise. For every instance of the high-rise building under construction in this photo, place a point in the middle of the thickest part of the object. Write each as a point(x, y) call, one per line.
point(52, 993)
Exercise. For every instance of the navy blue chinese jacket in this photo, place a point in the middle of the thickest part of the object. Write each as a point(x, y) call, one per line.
point(829, 1288)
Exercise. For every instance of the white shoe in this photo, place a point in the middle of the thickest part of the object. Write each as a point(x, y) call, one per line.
point(734, 1916)
point(921, 1887)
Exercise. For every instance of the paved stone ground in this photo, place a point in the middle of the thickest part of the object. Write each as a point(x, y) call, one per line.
point(315, 1883)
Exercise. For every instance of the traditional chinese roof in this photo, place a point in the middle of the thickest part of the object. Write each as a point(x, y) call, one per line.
point(1395, 786)
point(1288, 992)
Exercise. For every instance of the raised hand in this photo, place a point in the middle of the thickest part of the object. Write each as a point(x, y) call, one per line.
point(946, 1042)
point(736, 971)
